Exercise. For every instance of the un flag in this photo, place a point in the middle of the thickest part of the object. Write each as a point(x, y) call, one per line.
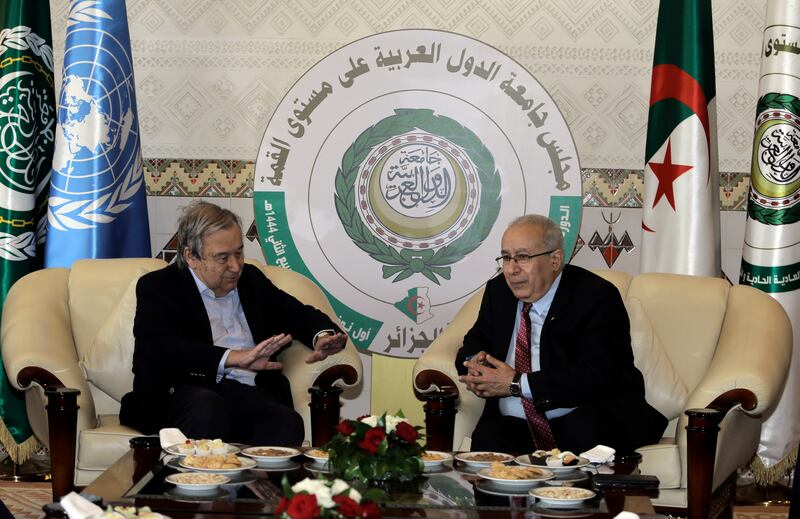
point(97, 206)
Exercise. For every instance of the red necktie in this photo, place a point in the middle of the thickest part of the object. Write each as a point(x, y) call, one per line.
point(540, 428)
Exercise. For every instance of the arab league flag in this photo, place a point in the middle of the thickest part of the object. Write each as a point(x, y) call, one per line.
point(27, 125)
point(97, 206)
point(680, 222)
point(771, 252)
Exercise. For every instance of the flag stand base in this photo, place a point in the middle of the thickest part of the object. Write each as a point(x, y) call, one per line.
point(775, 494)
point(35, 469)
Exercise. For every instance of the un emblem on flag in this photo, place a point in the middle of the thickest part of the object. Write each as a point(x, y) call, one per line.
point(97, 163)
point(419, 193)
point(775, 184)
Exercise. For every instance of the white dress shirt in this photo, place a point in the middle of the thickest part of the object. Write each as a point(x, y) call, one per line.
point(229, 329)
point(512, 405)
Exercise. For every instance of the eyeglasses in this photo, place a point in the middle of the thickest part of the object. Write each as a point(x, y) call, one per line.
point(523, 260)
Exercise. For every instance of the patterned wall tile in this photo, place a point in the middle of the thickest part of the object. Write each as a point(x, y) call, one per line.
point(210, 72)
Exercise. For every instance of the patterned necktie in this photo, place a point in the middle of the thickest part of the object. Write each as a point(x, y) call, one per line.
point(540, 428)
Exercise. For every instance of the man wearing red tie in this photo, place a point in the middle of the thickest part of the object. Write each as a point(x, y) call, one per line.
point(551, 354)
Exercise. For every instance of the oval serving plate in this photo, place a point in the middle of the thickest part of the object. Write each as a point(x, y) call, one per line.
point(197, 481)
point(173, 449)
point(525, 460)
point(482, 458)
point(269, 455)
point(542, 475)
point(319, 456)
point(436, 460)
point(562, 496)
point(247, 463)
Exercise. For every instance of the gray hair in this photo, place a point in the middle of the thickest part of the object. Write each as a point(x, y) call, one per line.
point(552, 239)
point(198, 220)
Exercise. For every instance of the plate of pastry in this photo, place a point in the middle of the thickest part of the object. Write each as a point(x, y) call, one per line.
point(318, 456)
point(197, 481)
point(562, 496)
point(483, 458)
point(513, 476)
point(554, 460)
point(217, 463)
point(434, 460)
point(202, 448)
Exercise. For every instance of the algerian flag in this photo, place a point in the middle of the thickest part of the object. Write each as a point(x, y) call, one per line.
point(771, 252)
point(680, 223)
point(27, 124)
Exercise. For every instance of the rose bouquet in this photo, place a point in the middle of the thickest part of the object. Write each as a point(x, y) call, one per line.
point(326, 499)
point(376, 448)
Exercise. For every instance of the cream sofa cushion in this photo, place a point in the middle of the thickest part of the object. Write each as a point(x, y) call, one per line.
point(108, 361)
point(664, 388)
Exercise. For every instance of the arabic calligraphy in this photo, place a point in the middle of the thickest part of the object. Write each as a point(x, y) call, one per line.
point(554, 152)
point(753, 279)
point(278, 157)
point(517, 94)
point(394, 61)
point(273, 229)
point(418, 176)
point(779, 150)
point(405, 337)
point(303, 114)
point(776, 45)
point(362, 334)
point(470, 67)
point(358, 68)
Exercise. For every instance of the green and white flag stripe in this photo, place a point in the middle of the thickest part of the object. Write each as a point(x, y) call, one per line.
point(27, 127)
point(771, 252)
point(680, 220)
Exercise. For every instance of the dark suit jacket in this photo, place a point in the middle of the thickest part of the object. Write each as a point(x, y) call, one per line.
point(585, 351)
point(174, 341)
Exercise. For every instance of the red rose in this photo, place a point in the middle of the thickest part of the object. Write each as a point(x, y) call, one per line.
point(369, 510)
point(344, 428)
point(347, 506)
point(406, 432)
point(372, 440)
point(282, 504)
point(303, 506)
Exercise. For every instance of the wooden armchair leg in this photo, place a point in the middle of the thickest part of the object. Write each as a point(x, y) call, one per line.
point(440, 416)
point(325, 403)
point(325, 408)
point(701, 443)
point(62, 420)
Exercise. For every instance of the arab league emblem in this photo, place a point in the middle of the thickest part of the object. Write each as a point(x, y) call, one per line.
point(417, 192)
point(775, 184)
point(390, 169)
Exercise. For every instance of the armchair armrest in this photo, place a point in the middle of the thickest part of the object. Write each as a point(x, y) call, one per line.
point(38, 348)
point(745, 377)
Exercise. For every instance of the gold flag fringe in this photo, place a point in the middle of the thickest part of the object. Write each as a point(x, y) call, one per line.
point(18, 452)
point(768, 475)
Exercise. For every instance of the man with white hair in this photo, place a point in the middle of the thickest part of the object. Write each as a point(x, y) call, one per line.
point(551, 354)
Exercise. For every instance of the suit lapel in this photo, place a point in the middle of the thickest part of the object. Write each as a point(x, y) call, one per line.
point(194, 304)
point(507, 315)
point(248, 297)
point(558, 309)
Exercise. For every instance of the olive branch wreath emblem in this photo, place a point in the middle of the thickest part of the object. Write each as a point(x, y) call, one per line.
point(767, 216)
point(403, 262)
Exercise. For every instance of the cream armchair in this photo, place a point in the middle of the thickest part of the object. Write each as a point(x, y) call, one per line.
point(73, 328)
point(700, 343)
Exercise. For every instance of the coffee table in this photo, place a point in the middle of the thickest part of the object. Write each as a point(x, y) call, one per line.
point(137, 478)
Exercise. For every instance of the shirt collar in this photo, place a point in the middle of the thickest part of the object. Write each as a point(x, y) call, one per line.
point(207, 292)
